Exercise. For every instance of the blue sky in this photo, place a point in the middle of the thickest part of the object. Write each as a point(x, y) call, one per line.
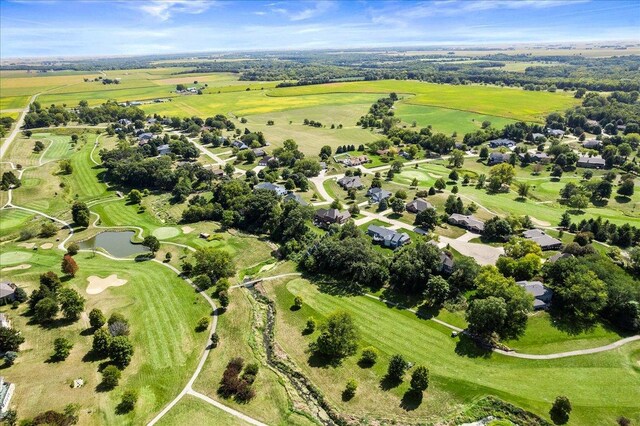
point(132, 27)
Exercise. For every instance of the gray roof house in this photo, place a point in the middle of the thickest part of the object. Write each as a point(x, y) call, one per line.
point(559, 256)
point(378, 194)
point(538, 157)
point(259, 152)
point(264, 161)
point(7, 292)
point(278, 189)
point(545, 241)
point(542, 295)
point(418, 205)
point(498, 157)
point(164, 149)
point(388, 237)
point(239, 144)
point(324, 217)
point(446, 260)
point(537, 135)
point(501, 142)
point(592, 144)
point(144, 137)
point(555, 132)
point(349, 182)
point(592, 162)
point(6, 392)
point(469, 222)
point(292, 196)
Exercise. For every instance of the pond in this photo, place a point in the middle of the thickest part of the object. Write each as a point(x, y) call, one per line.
point(117, 244)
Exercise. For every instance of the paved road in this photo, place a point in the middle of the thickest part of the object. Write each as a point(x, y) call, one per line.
point(7, 142)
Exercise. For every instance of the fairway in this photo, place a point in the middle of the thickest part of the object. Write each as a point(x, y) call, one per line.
point(162, 310)
point(598, 386)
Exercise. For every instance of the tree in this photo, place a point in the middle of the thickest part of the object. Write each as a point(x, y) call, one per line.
point(440, 184)
point(297, 302)
point(73, 249)
point(454, 175)
point(310, 326)
point(427, 219)
point(582, 295)
point(65, 167)
point(48, 229)
point(128, 403)
point(560, 410)
point(111, 376)
point(203, 324)
point(10, 357)
point(369, 356)
point(397, 367)
point(578, 201)
point(80, 214)
point(437, 290)
point(486, 316)
point(10, 339)
point(214, 263)
point(350, 389)
point(203, 282)
point(101, 341)
point(61, 348)
point(627, 188)
point(456, 159)
point(523, 189)
point(152, 243)
point(45, 310)
point(69, 265)
point(565, 220)
point(96, 318)
point(121, 351)
point(338, 336)
point(135, 196)
point(412, 265)
point(519, 247)
point(397, 205)
point(71, 303)
point(325, 152)
point(420, 379)
point(497, 228)
point(503, 172)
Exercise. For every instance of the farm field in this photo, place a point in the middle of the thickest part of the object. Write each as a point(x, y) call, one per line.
point(599, 386)
point(165, 351)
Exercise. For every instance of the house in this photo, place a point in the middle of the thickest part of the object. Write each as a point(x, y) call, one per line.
point(418, 205)
point(259, 152)
point(555, 132)
point(325, 217)
point(542, 295)
point(469, 222)
point(151, 120)
point(388, 237)
point(164, 150)
point(591, 144)
point(278, 189)
point(406, 155)
point(382, 152)
point(6, 392)
point(498, 157)
point(7, 292)
point(546, 242)
point(239, 145)
point(4, 321)
point(558, 256)
point(292, 196)
point(124, 121)
point(535, 136)
point(538, 157)
point(592, 162)
point(264, 161)
point(377, 194)
point(144, 138)
point(496, 143)
point(355, 161)
point(218, 173)
point(446, 260)
point(349, 182)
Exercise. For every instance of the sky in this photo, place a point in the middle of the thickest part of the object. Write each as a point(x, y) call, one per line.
point(41, 28)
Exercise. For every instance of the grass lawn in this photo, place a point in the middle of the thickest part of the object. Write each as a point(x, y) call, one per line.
point(192, 410)
point(238, 339)
point(600, 387)
point(162, 310)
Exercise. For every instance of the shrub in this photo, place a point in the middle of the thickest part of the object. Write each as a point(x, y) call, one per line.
point(128, 403)
point(397, 367)
point(350, 389)
point(215, 339)
point(297, 302)
point(61, 348)
point(101, 341)
point(311, 326)
point(420, 379)
point(10, 357)
point(369, 356)
point(96, 318)
point(73, 249)
point(111, 376)
point(560, 410)
point(203, 324)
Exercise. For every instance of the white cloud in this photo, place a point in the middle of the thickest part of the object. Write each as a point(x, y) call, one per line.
point(164, 9)
point(319, 8)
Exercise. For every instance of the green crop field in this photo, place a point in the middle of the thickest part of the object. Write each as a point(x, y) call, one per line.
point(162, 310)
point(601, 387)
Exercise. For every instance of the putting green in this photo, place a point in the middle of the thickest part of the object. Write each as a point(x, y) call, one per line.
point(13, 257)
point(166, 233)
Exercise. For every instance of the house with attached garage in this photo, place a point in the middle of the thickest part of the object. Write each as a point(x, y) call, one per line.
point(278, 189)
point(498, 157)
point(239, 145)
point(469, 222)
point(592, 162)
point(264, 161)
point(496, 143)
point(292, 196)
point(350, 182)
point(546, 242)
point(541, 294)
point(7, 292)
point(377, 194)
point(164, 150)
point(388, 237)
point(326, 217)
point(592, 144)
point(418, 205)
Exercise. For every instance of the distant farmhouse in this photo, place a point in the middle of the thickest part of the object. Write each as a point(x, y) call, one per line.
point(592, 162)
point(542, 295)
point(388, 237)
point(469, 222)
point(546, 242)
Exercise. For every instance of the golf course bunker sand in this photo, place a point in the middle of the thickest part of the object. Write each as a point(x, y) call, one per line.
point(46, 246)
point(27, 245)
point(187, 229)
point(166, 233)
point(13, 257)
point(97, 285)
point(16, 268)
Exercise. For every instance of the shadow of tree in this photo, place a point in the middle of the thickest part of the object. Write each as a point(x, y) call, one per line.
point(468, 347)
point(411, 400)
point(388, 383)
point(320, 361)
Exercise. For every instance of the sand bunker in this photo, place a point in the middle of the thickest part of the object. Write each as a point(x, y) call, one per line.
point(27, 245)
point(17, 267)
point(267, 267)
point(98, 285)
point(46, 246)
point(166, 232)
point(187, 229)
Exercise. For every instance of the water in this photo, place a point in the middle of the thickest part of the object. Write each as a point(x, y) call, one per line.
point(117, 244)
